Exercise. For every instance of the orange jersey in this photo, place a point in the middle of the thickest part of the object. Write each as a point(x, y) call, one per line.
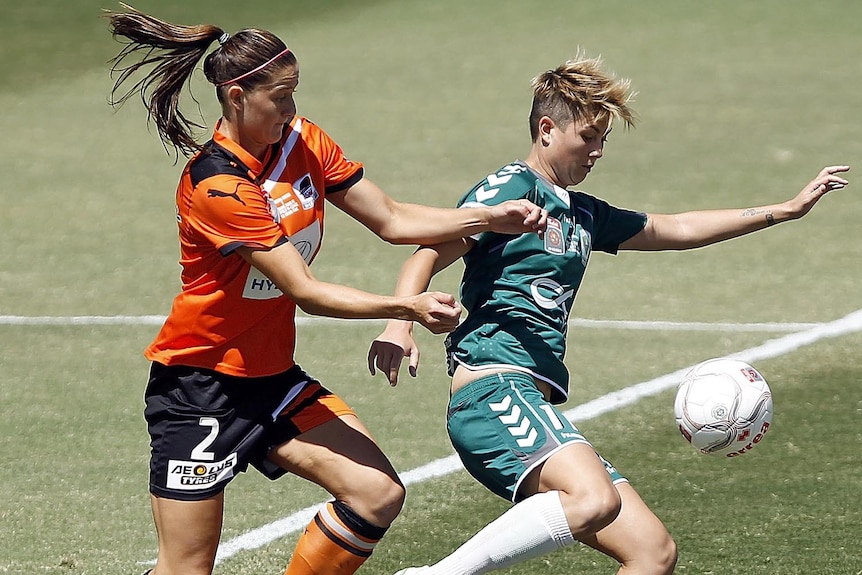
point(229, 317)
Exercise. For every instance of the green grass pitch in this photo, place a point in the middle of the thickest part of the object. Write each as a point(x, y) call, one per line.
point(740, 104)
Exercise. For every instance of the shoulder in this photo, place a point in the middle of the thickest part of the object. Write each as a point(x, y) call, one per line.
point(598, 206)
point(214, 160)
point(511, 181)
point(612, 225)
point(318, 142)
point(218, 186)
point(515, 174)
point(310, 131)
point(586, 200)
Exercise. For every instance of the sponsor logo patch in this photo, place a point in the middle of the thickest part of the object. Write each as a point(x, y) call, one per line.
point(196, 475)
point(554, 242)
point(282, 207)
point(213, 193)
point(548, 294)
point(306, 192)
point(307, 241)
point(258, 286)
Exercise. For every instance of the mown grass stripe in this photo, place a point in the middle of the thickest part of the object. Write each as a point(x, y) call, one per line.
point(268, 533)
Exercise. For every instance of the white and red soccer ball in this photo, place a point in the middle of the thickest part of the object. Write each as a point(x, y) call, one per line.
point(723, 407)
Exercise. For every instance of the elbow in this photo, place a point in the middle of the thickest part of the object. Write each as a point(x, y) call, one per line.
point(314, 307)
point(311, 301)
point(406, 229)
point(396, 237)
point(306, 297)
point(393, 240)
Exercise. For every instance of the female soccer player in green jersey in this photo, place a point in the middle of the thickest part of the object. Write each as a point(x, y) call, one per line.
point(506, 357)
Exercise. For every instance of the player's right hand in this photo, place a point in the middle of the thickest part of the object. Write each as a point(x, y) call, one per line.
point(439, 312)
point(517, 217)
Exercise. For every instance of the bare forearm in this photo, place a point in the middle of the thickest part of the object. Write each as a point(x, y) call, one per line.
point(425, 225)
point(416, 272)
point(332, 300)
point(703, 228)
point(414, 278)
point(287, 270)
point(407, 223)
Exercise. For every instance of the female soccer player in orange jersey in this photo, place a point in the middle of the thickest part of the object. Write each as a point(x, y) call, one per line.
point(224, 390)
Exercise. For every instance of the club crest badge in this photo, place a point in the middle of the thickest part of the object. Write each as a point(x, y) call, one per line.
point(304, 189)
point(554, 239)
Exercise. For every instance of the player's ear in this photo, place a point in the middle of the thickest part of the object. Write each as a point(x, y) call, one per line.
point(234, 95)
point(546, 126)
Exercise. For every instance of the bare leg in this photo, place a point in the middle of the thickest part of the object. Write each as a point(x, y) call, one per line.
point(636, 538)
point(589, 498)
point(188, 533)
point(622, 526)
point(341, 457)
point(569, 497)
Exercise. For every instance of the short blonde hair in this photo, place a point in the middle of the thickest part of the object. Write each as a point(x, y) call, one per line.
point(577, 90)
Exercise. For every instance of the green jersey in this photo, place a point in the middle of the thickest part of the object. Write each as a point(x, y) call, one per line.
point(518, 290)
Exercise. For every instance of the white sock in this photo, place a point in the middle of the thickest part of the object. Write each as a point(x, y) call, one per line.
point(535, 526)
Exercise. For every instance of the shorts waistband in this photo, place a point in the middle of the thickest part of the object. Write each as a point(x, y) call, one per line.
point(492, 380)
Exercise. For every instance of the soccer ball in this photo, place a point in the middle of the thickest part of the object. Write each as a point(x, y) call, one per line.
point(723, 407)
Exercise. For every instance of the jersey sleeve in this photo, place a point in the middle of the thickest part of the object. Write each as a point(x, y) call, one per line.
point(339, 172)
point(231, 212)
point(612, 225)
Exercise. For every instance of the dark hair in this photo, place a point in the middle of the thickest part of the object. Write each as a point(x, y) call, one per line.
point(173, 51)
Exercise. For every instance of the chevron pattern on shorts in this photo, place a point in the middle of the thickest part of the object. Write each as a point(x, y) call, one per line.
point(520, 428)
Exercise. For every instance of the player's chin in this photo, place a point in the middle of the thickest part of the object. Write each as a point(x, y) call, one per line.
point(278, 132)
point(575, 177)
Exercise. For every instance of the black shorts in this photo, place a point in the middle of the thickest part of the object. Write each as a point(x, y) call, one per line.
point(205, 427)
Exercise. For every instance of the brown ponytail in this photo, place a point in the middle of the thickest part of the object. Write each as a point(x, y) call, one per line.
point(174, 51)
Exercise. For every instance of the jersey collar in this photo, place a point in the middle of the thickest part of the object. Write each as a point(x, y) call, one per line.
point(252, 163)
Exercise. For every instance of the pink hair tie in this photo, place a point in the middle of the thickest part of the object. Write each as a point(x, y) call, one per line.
point(258, 69)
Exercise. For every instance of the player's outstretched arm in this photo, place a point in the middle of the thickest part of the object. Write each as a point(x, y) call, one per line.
point(439, 312)
point(696, 229)
point(396, 342)
point(405, 223)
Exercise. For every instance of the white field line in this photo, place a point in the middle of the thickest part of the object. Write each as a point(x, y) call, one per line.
point(773, 348)
point(303, 320)
point(82, 320)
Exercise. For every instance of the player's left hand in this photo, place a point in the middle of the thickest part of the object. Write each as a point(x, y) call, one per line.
point(825, 182)
point(517, 217)
point(387, 352)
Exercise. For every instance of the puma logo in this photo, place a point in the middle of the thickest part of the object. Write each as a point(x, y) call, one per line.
point(220, 194)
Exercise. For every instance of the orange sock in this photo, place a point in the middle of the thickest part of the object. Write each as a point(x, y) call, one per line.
point(336, 542)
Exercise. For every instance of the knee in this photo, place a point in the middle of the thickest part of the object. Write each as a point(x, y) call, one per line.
point(379, 501)
point(665, 556)
point(603, 509)
point(391, 500)
point(592, 512)
point(657, 558)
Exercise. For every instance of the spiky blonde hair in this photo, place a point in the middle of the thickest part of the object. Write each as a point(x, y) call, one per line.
point(580, 89)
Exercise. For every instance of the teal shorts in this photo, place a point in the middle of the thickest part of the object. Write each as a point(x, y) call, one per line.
point(502, 428)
